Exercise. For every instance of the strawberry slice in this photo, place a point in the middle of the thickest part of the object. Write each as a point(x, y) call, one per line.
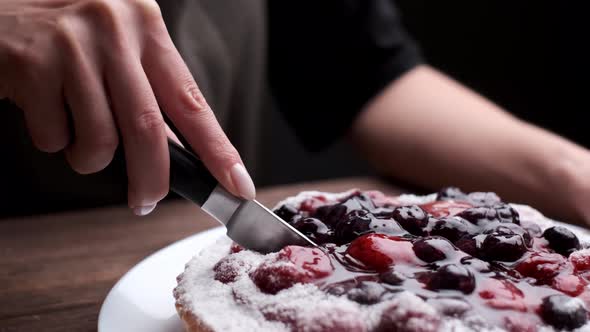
point(502, 294)
point(294, 264)
point(313, 261)
point(581, 260)
point(380, 251)
point(542, 266)
point(569, 284)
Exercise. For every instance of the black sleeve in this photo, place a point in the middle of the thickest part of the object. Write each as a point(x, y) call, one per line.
point(328, 58)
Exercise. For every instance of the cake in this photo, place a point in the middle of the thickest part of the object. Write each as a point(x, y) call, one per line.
point(447, 261)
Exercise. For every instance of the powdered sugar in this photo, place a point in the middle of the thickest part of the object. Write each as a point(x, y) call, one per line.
point(238, 305)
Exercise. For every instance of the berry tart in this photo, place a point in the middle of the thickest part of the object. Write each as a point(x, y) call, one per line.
point(448, 261)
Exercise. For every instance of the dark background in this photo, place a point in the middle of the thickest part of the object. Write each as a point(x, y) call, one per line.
point(529, 57)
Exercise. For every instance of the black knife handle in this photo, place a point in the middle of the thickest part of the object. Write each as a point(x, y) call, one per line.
point(189, 177)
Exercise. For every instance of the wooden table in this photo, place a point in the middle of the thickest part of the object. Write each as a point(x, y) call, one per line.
point(56, 270)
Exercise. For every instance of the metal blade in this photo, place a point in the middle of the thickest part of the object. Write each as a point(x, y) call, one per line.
point(251, 224)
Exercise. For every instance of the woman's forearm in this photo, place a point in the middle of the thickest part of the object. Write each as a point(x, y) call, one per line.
point(431, 131)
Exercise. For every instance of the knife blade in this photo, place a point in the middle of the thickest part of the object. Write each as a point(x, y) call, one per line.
point(248, 223)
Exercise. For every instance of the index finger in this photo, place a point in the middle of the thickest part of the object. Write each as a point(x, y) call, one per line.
point(180, 98)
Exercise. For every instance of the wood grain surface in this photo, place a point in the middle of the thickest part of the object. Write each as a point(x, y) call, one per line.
point(56, 270)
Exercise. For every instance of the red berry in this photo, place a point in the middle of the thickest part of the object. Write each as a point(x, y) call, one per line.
point(229, 268)
point(235, 248)
point(569, 284)
point(294, 265)
point(502, 294)
point(542, 266)
point(312, 261)
point(451, 276)
point(440, 209)
point(272, 278)
point(379, 251)
point(581, 260)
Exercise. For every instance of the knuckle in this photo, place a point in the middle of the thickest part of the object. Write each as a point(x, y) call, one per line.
point(149, 123)
point(106, 16)
point(66, 36)
point(148, 10)
point(26, 57)
point(192, 98)
point(101, 9)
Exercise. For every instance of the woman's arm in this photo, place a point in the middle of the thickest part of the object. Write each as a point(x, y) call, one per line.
point(428, 129)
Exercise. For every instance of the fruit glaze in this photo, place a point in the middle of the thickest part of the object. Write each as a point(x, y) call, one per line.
point(468, 258)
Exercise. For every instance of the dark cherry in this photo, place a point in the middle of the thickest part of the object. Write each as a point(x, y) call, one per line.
point(368, 292)
point(353, 225)
point(314, 229)
point(562, 240)
point(501, 247)
point(483, 198)
point(452, 228)
point(433, 249)
point(383, 212)
point(341, 288)
point(358, 202)
point(468, 244)
point(507, 214)
point(330, 214)
point(563, 312)
point(451, 276)
point(392, 277)
point(483, 215)
point(359, 222)
point(477, 215)
point(475, 198)
point(476, 264)
point(412, 218)
point(286, 212)
point(509, 229)
point(386, 226)
point(450, 193)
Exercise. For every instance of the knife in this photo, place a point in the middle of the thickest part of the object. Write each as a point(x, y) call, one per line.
point(248, 223)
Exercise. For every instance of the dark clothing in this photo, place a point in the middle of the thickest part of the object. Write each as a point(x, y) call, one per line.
point(327, 59)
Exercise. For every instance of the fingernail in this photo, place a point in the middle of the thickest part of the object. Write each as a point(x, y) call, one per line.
point(243, 182)
point(144, 210)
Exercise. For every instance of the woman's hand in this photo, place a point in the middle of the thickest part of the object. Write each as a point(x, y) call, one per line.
point(112, 62)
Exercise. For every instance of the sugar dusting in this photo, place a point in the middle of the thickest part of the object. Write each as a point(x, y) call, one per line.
point(240, 306)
